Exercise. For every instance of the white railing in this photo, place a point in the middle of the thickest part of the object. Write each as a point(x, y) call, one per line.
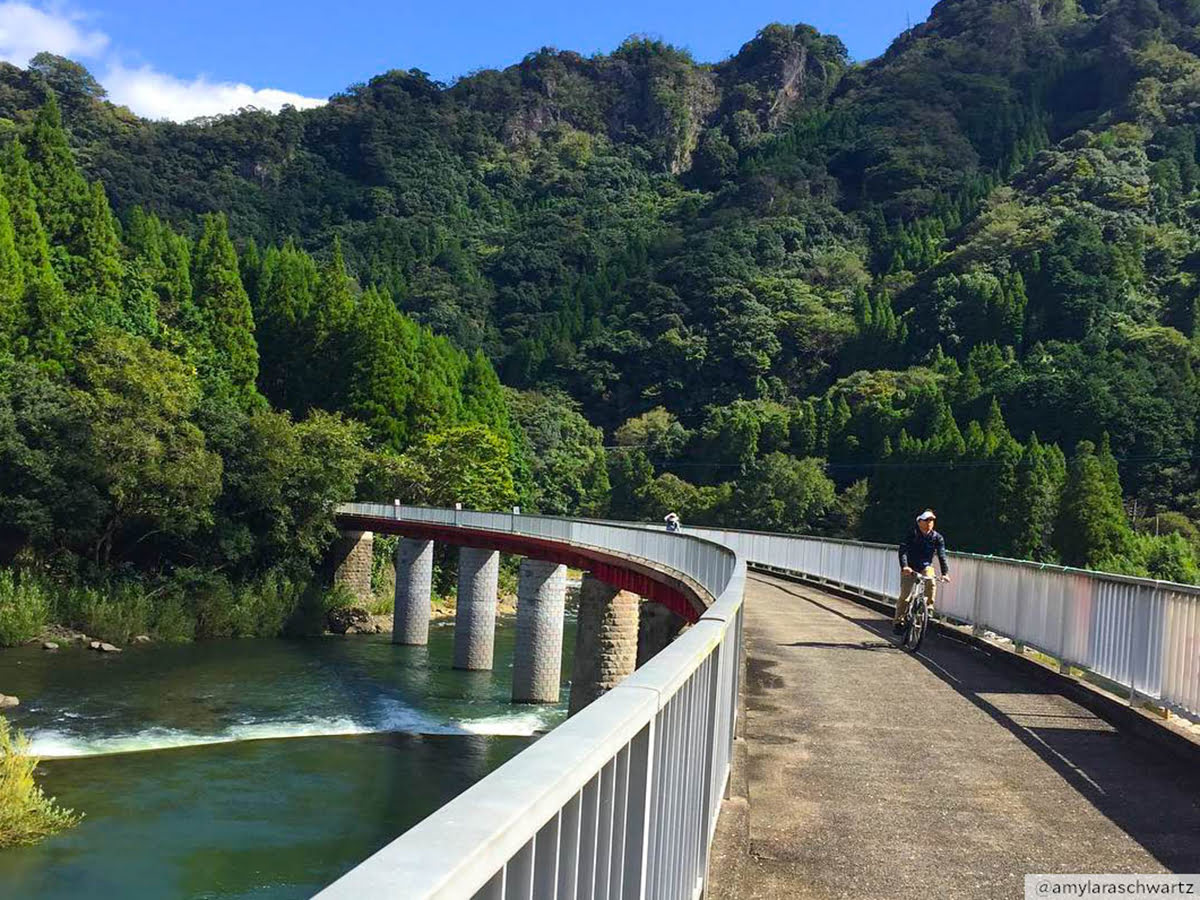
point(1140, 634)
point(621, 800)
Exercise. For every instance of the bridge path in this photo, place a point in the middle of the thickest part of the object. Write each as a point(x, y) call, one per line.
point(868, 772)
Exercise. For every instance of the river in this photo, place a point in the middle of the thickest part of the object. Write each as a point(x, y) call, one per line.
point(251, 768)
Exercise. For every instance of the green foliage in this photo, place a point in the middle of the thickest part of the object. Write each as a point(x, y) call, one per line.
point(1167, 558)
point(26, 814)
point(929, 274)
point(222, 324)
point(782, 493)
point(155, 472)
point(467, 464)
point(24, 608)
point(568, 467)
point(1092, 527)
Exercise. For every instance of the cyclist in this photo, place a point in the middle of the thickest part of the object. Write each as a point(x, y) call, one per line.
point(672, 521)
point(916, 555)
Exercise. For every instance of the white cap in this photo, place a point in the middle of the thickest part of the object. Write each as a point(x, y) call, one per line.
point(928, 514)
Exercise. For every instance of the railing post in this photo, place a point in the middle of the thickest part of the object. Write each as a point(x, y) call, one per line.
point(977, 628)
point(638, 812)
point(1130, 636)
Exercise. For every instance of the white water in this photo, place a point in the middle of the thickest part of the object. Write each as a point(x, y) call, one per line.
point(391, 717)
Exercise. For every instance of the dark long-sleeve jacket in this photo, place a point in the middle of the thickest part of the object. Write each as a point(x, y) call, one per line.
point(918, 550)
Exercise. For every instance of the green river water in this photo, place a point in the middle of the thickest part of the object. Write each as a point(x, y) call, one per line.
point(253, 768)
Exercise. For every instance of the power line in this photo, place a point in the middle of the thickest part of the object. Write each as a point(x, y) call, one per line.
point(882, 464)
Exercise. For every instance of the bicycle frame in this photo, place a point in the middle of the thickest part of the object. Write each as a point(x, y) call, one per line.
point(916, 624)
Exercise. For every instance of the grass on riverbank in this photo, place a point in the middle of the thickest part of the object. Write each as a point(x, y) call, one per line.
point(188, 604)
point(27, 815)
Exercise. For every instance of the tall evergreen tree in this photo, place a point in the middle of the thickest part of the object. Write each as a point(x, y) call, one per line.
point(33, 246)
point(62, 192)
point(1091, 523)
point(1039, 492)
point(287, 338)
point(102, 274)
point(12, 279)
point(224, 322)
point(384, 351)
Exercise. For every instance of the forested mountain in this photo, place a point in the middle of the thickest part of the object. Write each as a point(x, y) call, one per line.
point(791, 291)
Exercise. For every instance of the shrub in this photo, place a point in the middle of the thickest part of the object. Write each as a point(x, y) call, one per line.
point(24, 607)
point(26, 814)
point(263, 608)
point(113, 611)
point(308, 617)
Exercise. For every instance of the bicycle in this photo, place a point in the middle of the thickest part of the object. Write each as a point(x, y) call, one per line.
point(916, 619)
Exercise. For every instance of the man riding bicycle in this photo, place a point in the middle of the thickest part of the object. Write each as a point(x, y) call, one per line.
point(916, 556)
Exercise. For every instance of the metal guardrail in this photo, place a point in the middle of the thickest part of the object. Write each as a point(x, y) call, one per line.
point(621, 800)
point(1140, 634)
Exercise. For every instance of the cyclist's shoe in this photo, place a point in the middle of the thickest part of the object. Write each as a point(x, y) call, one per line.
point(897, 627)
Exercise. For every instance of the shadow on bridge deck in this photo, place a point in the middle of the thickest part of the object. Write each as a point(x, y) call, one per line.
point(868, 772)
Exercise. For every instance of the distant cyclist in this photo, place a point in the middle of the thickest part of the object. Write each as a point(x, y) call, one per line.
point(917, 551)
point(672, 521)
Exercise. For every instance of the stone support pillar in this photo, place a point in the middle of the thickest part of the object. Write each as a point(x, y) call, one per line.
point(537, 664)
point(414, 592)
point(475, 614)
point(352, 553)
point(605, 642)
point(657, 627)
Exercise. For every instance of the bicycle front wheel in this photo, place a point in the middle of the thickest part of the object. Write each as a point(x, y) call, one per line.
point(918, 623)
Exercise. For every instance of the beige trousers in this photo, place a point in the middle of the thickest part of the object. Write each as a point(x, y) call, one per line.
point(906, 583)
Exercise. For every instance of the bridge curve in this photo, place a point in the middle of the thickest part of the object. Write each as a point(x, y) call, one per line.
point(622, 799)
point(652, 579)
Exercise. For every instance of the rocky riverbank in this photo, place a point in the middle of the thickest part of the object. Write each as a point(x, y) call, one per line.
point(360, 620)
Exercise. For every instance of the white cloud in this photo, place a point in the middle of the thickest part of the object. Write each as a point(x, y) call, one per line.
point(156, 95)
point(26, 30)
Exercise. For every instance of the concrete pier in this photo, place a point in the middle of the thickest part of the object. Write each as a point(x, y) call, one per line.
point(475, 615)
point(605, 642)
point(537, 664)
point(414, 592)
point(351, 557)
point(657, 627)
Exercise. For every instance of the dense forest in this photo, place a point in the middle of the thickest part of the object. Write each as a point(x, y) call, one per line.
point(784, 291)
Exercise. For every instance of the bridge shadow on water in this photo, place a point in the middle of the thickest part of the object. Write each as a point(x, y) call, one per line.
point(1148, 792)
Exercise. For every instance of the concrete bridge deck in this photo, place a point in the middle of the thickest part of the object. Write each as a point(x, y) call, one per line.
point(868, 772)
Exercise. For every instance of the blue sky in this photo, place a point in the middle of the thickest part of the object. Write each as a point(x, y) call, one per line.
point(171, 59)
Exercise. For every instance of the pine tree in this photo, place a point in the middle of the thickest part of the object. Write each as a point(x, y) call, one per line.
point(42, 320)
point(250, 265)
point(1038, 496)
point(224, 323)
point(102, 274)
point(33, 246)
point(383, 350)
point(483, 397)
point(994, 429)
point(945, 438)
point(12, 279)
point(175, 286)
point(287, 338)
point(62, 192)
point(335, 294)
point(1091, 523)
point(824, 426)
point(803, 430)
